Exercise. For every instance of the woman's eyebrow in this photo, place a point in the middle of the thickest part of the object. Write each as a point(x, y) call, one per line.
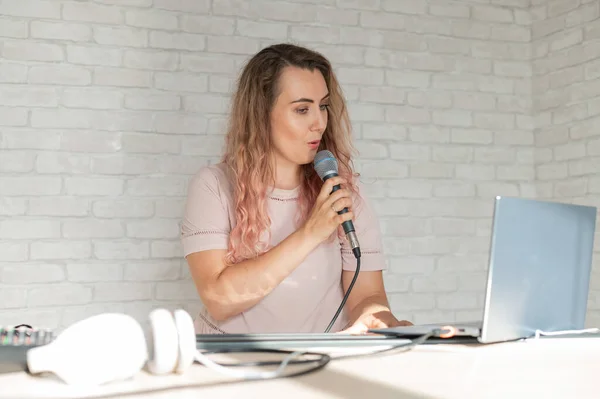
point(308, 100)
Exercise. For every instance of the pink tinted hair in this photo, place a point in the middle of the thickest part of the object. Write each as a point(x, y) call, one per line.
point(248, 144)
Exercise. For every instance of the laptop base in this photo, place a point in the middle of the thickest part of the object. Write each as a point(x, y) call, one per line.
point(294, 340)
point(455, 331)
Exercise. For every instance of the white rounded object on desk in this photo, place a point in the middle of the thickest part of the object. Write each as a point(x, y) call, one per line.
point(93, 351)
point(163, 343)
point(187, 340)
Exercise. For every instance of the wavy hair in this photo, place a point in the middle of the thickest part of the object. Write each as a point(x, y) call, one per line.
point(248, 144)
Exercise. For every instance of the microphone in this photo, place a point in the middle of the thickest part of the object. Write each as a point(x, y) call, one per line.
point(326, 167)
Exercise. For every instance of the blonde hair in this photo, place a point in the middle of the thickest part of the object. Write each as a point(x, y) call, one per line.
point(248, 143)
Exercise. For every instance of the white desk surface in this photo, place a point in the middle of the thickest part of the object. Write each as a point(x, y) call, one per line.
point(547, 368)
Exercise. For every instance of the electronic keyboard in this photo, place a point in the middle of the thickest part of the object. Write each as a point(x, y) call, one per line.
point(16, 341)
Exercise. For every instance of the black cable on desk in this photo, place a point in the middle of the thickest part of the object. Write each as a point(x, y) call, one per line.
point(322, 360)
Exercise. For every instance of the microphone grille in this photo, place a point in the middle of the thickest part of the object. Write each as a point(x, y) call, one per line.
point(325, 163)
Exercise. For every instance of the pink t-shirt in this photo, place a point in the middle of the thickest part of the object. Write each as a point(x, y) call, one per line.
point(307, 299)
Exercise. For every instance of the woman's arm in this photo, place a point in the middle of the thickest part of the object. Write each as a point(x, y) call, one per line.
point(367, 305)
point(229, 290)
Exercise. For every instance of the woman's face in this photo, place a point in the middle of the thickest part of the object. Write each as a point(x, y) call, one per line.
point(299, 116)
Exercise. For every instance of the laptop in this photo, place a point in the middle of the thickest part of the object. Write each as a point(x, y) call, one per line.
point(538, 275)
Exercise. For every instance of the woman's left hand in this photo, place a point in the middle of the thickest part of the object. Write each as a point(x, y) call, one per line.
point(383, 319)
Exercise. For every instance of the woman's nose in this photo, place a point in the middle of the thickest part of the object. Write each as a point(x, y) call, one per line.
point(320, 121)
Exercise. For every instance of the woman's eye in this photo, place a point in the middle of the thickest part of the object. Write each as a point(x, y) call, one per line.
point(305, 110)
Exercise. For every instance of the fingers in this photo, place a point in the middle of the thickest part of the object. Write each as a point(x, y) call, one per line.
point(377, 323)
point(344, 216)
point(345, 202)
point(337, 196)
point(324, 218)
point(355, 329)
point(328, 186)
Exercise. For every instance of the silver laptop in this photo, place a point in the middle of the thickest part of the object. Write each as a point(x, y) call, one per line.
point(538, 276)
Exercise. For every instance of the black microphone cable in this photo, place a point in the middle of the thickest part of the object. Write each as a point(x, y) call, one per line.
point(356, 252)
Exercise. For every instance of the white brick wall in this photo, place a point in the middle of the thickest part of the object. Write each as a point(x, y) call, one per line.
point(107, 107)
point(566, 92)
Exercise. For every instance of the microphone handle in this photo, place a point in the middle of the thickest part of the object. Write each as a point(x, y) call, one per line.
point(347, 225)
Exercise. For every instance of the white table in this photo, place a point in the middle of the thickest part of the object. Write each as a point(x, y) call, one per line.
point(546, 368)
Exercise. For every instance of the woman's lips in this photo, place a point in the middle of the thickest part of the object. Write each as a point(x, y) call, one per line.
point(314, 144)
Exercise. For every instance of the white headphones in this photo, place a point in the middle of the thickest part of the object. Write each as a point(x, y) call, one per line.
point(112, 346)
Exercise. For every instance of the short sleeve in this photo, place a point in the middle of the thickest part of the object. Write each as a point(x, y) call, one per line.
point(368, 232)
point(205, 223)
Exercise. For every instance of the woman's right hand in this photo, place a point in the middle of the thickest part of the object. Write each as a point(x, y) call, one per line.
point(324, 218)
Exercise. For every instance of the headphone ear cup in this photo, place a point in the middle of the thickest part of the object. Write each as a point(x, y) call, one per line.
point(163, 342)
point(187, 340)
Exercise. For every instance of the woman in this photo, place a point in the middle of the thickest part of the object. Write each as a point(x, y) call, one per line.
point(261, 234)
